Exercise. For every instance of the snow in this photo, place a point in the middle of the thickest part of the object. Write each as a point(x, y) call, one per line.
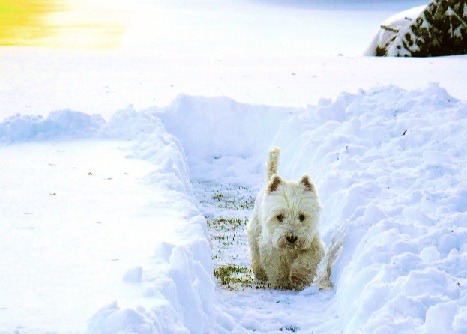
point(98, 239)
point(388, 173)
point(258, 27)
point(106, 211)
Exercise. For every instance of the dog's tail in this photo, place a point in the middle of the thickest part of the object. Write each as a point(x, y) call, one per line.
point(273, 162)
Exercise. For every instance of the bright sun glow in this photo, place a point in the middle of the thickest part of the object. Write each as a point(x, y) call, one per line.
point(63, 23)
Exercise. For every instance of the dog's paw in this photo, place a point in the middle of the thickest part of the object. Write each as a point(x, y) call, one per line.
point(260, 274)
point(300, 279)
point(324, 283)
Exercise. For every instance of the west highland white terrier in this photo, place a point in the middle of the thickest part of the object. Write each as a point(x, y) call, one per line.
point(285, 245)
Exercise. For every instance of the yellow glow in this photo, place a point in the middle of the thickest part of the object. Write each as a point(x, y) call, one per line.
point(77, 24)
point(21, 22)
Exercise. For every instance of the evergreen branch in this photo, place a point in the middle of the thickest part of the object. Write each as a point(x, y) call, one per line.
point(389, 28)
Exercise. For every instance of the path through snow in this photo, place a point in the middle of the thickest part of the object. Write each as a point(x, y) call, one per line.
point(247, 306)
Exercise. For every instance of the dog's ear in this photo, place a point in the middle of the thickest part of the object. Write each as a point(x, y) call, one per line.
point(307, 184)
point(274, 183)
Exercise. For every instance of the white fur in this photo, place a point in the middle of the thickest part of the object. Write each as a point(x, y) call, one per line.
point(285, 247)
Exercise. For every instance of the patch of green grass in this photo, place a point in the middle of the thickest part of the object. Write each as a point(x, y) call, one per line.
point(234, 277)
point(218, 196)
point(227, 208)
point(226, 223)
point(227, 231)
point(233, 198)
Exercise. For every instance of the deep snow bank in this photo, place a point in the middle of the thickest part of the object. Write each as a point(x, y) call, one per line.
point(222, 137)
point(390, 168)
point(218, 126)
point(173, 291)
point(177, 287)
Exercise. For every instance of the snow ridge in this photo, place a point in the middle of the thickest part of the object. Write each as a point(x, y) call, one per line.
point(177, 287)
point(389, 166)
point(390, 170)
point(59, 124)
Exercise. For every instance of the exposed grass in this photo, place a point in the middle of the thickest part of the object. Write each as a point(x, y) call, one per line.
point(229, 207)
point(226, 223)
point(234, 277)
point(227, 232)
point(233, 198)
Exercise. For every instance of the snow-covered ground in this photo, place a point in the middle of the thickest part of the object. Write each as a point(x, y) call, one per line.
point(81, 218)
point(105, 215)
point(254, 51)
point(82, 221)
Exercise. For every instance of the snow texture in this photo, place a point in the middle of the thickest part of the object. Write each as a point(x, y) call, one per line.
point(390, 168)
point(179, 299)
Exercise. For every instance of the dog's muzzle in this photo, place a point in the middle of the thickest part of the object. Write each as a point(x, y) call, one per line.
point(294, 242)
point(291, 239)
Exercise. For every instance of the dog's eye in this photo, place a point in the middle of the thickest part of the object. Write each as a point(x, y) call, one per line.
point(301, 217)
point(280, 217)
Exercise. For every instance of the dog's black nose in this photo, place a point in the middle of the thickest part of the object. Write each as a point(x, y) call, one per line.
point(291, 239)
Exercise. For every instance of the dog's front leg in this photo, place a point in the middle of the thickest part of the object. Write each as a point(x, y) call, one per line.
point(254, 233)
point(256, 266)
point(301, 272)
point(303, 268)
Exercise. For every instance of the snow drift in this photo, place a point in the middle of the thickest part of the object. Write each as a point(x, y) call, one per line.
point(389, 165)
point(175, 286)
point(390, 170)
point(178, 288)
point(221, 137)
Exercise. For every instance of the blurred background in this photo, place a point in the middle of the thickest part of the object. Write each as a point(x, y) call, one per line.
point(276, 27)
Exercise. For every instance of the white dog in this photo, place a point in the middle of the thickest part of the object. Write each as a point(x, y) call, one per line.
point(285, 246)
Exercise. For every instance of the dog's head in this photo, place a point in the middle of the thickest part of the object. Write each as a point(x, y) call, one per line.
point(291, 212)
